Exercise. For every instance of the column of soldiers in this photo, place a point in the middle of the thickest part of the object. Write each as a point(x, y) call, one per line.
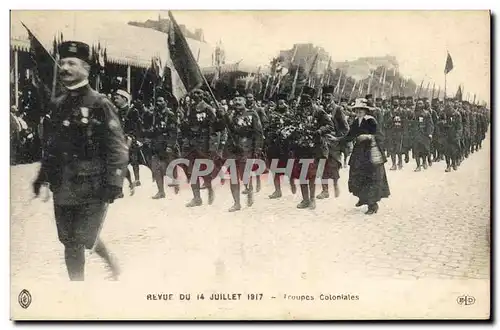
point(198, 129)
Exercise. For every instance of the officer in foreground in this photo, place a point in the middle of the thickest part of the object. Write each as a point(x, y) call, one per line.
point(84, 162)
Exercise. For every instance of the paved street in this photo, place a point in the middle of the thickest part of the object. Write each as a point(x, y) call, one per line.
point(435, 225)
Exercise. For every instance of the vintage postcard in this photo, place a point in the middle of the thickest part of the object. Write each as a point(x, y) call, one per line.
point(250, 165)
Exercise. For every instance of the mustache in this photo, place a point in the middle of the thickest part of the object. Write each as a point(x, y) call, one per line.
point(65, 73)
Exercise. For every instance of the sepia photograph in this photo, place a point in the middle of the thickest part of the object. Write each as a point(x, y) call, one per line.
point(250, 165)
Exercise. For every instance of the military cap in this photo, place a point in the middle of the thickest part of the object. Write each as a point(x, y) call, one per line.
point(328, 89)
point(378, 99)
point(395, 97)
point(309, 91)
point(435, 99)
point(369, 96)
point(409, 98)
point(343, 99)
point(75, 49)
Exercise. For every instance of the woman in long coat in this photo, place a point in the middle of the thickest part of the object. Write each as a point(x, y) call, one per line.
point(367, 178)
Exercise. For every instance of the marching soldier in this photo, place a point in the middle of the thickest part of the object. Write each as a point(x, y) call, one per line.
point(395, 133)
point(312, 125)
point(435, 111)
point(432, 154)
point(339, 128)
point(482, 126)
point(148, 121)
point(84, 161)
point(453, 130)
point(439, 131)
point(408, 114)
point(261, 112)
point(278, 146)
point(203, 138)
point(457, 107)
point(346, 146)
point(131, 124)
point(246, 143)
point(422, 129)
point(165, 143)
point(379, 114)
point(473, 129)
point(465, 112)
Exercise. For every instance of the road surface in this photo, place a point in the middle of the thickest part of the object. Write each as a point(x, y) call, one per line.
point(435, 225)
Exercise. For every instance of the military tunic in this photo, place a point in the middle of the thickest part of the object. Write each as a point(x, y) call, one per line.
point(203, 135)
point(309, 135)
point(339, 129)
point(247, 138)
point(421, 129)
point(395, 131)
point(277, 139)
point(406, 122)
point(379, 115)
point(132, 128)
point(165, 135)
point(435, 134)
point(453, 131)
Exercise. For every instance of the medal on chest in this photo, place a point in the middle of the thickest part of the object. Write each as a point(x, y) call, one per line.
point(244, 121)
point(201, 116)
point(84, 111)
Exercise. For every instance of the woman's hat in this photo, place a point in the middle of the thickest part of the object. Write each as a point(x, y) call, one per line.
point(361, 103)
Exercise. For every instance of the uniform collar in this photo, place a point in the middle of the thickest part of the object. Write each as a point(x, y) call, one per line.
point(78, 85)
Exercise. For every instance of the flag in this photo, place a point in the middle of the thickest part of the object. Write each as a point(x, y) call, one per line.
point(182, 58)
point(458, 95)
point(41, 61)
point(449, 64)
point(474, 102)
point(439, 92)
point(433, 86)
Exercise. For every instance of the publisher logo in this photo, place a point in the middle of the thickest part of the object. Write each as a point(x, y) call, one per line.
point(466, 300)
point(24, 298)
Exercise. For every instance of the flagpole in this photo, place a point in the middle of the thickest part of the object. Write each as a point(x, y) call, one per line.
point(54, 79)
point(444, 97)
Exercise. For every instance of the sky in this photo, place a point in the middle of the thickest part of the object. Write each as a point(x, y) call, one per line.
point(420, 40)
